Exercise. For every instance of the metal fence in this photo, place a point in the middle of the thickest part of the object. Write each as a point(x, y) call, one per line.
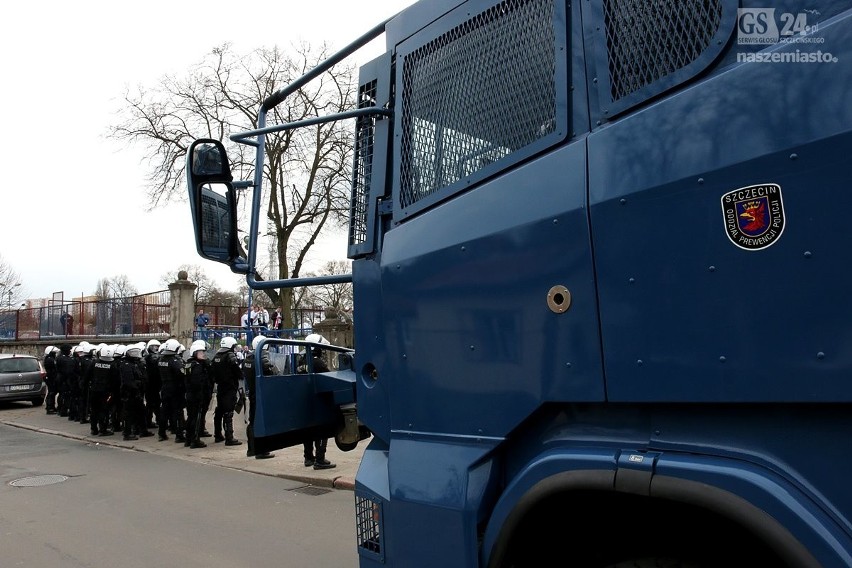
point(145, 314)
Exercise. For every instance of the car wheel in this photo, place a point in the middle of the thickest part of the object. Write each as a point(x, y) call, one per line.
point(38, 401)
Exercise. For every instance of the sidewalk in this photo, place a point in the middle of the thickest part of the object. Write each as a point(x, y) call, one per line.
point(287, 463)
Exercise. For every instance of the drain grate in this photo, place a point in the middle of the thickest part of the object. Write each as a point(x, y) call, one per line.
point(311, 490)
point(38, 480)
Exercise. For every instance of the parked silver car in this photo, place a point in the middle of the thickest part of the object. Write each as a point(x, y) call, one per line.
point(22, 378)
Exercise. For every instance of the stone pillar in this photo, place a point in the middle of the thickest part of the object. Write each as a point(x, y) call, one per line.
point(335, 328)
point(183, 308)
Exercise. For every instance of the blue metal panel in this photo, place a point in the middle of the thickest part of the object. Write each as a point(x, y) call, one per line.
point(480, 267)
point(686, 314)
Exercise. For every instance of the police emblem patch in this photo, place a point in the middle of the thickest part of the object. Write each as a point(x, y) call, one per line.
point(754, 215)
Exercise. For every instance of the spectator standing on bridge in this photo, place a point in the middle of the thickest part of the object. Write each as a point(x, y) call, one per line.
point(201, 321)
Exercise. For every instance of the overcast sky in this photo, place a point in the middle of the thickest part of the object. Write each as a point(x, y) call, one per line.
point(73, 201)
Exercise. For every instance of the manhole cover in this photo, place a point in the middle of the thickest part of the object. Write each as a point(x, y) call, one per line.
point(38, 480)
point(311, 490)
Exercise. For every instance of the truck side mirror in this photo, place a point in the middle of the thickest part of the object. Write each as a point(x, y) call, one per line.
point(213, 201)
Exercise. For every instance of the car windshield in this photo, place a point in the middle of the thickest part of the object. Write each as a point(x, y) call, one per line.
point(18, 365)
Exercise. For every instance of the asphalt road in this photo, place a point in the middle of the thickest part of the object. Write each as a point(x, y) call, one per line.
point(85, 504)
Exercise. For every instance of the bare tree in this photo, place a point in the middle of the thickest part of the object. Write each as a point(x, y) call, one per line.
point(115, 287)
point(337, 296)
point(10, 285)
point(197, 276)
point(306, 170)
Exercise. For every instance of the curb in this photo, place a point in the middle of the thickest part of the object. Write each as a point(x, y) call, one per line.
point(342, 482)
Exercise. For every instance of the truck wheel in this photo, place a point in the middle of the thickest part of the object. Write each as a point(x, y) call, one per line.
point(345, 447)
point(655, 563)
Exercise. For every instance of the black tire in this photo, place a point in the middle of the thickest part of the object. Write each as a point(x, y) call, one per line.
point(345, 447)
point(38, 401)
point(655, 563)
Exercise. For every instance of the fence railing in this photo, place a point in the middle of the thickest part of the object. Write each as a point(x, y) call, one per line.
point(145, 314)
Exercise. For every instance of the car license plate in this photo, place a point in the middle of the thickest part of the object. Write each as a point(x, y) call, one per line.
point(19, 387)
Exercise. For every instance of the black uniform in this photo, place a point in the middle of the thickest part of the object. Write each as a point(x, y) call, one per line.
point(267, 368)
point(197, 381)
point(104, 372)
point(66, 367)
point(171, 392)
point(315, 452)
point(226, 373)
point(132, 384)
point(51, 379)
point(152, 389)
point(87, 362)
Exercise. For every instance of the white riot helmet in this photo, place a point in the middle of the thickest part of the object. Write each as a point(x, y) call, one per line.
point(256, 341)
point(227, 343)
point(197, 345)
point(55, 349)
point(170, 347)
point(48, 350)
point(317, 338)
point(106, 353)
point(153, 345)
point(134, 351)
point(119, 351)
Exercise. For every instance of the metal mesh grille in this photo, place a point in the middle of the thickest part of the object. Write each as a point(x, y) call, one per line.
point(368, 519)
point(364, 138)
point(648, 39)
point(476, 94)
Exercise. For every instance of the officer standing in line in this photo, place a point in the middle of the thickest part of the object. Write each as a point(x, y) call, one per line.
point(141, 423)
point(64, 371)
point(116, 407)
point(49, 363)
point(171, 387)
point(248, 374)
point(104, 370)
point(197, 381)
point(227, 374)
point(315, 452)
point(87, 360)
point(132, 387)
point(152, 385)
point(75, 395)
point(208, 397)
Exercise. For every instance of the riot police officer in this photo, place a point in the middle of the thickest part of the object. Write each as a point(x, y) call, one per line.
point(315, 452)
point(104, 371)
point(197, 381)
point(66, 370)
point(227, 374)
point(171, 389)
point(152, 385)
point(49, 363)
point(267, 368)
point(132, 387)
